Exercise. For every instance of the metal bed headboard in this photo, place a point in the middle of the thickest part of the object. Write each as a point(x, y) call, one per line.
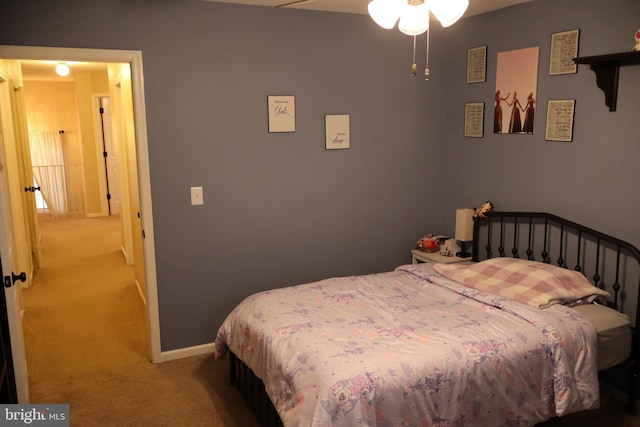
point(608, 262)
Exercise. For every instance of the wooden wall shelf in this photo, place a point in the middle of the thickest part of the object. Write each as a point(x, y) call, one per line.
point(607, 69)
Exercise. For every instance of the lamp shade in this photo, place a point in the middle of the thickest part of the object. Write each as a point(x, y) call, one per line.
point(385, 12)
point(448, 11)
point(414, 19)
point(464, 225)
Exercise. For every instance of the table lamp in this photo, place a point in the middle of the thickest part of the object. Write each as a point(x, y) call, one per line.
point(464, 230)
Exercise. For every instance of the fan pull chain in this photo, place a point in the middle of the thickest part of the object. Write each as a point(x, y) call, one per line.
point(426, 69)
point(414, 67)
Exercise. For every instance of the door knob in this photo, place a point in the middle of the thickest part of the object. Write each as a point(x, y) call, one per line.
point(10, 280)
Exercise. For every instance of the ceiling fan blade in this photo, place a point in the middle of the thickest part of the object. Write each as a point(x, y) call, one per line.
point(291, 3)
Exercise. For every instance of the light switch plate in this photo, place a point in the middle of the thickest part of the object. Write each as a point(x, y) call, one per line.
point(196, 196)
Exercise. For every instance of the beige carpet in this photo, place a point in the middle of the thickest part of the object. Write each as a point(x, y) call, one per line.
point(189, 392)
point(86, 341)
point(83, 314)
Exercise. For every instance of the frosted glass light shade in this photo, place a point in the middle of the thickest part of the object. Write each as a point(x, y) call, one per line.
point(385, 12)
point(414, 19)
point(448, 11)
point(464, 225)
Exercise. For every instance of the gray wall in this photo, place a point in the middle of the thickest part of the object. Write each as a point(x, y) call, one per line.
point(593, 180)
point(279, 209)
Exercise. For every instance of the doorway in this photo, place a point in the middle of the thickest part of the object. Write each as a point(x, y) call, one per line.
point(83, 312)
point(137, 129)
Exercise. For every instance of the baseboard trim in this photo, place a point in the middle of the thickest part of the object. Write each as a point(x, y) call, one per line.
point(139, 288)
point(182, 353)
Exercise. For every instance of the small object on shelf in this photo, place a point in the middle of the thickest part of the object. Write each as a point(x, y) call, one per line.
point(636, 48)
point(428, 243)
point(450, 246)
point(447, 252)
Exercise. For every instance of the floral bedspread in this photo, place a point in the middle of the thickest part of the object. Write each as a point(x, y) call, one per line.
point(411, 348)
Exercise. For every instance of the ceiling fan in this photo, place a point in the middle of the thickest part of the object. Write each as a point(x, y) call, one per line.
point(291, 3)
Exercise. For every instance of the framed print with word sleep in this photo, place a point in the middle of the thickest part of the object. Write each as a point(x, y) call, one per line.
point(337, 131)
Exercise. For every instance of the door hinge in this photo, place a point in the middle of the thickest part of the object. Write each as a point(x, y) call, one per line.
point(108, 196)
point(105, 154)
point(101, 110)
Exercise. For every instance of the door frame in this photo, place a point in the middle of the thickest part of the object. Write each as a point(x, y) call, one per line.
point(134, 59)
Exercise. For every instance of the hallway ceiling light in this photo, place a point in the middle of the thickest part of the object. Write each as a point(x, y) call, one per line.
point(62, 69)
point(413, 17)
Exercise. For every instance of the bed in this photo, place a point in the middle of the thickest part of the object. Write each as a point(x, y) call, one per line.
point(445, 345)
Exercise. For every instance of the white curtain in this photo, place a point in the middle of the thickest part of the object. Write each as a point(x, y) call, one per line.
point(47, 160)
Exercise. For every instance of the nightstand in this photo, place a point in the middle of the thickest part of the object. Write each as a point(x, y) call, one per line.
point(417, 256)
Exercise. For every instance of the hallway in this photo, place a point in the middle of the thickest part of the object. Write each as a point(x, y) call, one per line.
point(83, 314)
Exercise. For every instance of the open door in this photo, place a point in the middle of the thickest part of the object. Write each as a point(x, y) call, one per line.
point(9, 175)
point(21, 136)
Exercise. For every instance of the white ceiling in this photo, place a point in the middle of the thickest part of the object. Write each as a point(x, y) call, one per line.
point(44, 70)
point(476, 7)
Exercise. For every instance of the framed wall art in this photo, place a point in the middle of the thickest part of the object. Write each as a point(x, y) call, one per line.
point(516, 87)
point(282, 113)
point(560, 114)
point(337, 131)
point(474, 120)
point(477, 64)
point(564, 47)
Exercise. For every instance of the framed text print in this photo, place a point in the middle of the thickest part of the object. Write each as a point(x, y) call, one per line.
point(477, 64)
point(560, 120)
point(564, 47)
point(282, 113)
point(337, 132)
point(474, 120)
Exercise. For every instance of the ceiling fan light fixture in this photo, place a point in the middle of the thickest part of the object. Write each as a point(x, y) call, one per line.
point(414, 19)
point(62, 69)
point(448, 11)
point(385, 13)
